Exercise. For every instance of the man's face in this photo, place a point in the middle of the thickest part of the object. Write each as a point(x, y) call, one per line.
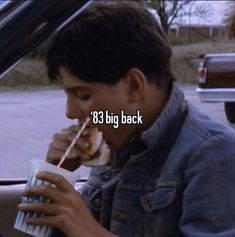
point(84, 97)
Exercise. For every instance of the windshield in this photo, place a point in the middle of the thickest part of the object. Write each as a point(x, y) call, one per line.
point(26, 24)
point(33, 112)
point(3, 3)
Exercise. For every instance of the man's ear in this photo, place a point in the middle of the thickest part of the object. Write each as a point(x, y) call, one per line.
point(136, 84)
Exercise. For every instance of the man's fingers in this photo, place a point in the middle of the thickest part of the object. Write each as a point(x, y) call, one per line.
point(60, 145)
point(54, 221)
point(61, 142)
point(64, 136)
point(72, 130)
point(83, 144)
point(55, 152)
point(42, 190)
point(42, 207)
point(61, 183)
point(83, 156)
point(55, 156)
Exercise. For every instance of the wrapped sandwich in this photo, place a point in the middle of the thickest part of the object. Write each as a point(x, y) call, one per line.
point(99, 150)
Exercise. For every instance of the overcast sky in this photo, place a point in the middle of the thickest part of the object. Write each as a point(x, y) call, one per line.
point(216, 13)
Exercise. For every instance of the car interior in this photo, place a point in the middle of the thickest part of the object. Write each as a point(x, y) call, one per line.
point(23, 26)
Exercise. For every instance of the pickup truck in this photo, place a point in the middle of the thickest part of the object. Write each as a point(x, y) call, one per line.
point(216, 81)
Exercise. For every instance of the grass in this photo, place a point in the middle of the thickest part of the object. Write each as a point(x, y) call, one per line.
point(28, 74)
point(186, 58)
point(32, 72)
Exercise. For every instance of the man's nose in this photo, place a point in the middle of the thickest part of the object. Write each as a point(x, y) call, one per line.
point(73, 110)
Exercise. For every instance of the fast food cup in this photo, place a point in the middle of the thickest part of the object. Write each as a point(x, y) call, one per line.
point(37, 166)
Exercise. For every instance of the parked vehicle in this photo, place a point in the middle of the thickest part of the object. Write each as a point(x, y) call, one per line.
point(216, 81)
point(23, 26)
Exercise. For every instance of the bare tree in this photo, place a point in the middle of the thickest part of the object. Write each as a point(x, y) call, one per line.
point(229, 19)
point(170, 10)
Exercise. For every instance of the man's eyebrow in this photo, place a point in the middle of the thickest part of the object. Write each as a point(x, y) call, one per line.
point(74, 88)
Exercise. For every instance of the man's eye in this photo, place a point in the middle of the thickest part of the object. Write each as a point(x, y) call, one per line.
point(84, 97)
point(78, 94)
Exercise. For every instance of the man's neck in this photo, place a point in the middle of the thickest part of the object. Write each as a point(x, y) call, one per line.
point(155, 103)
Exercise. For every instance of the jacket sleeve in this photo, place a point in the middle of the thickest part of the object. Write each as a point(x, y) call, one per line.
point(208, 207)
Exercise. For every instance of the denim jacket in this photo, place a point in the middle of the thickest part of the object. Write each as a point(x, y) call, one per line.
point(181, 184)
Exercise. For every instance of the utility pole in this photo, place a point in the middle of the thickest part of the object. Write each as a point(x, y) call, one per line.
point(190, 30)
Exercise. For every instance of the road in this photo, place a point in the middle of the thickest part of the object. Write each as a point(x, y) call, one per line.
point(30, 118)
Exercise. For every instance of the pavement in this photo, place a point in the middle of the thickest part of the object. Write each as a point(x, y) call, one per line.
point(28, 120)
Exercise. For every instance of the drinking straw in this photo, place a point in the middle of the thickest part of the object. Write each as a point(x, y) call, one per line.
point(73, 142)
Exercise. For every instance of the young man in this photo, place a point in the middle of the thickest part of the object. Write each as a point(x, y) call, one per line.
point(172, 174)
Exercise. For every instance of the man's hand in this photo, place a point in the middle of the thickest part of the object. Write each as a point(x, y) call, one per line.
point(60, 143)
point(67, 210)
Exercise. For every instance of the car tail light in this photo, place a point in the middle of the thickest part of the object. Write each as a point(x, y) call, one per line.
point(201, 74)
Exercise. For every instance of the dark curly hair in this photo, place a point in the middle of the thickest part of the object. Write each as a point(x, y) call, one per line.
point(109, 38)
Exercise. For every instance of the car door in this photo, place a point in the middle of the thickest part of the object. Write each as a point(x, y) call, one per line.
point(10, 192)
point(23, 26)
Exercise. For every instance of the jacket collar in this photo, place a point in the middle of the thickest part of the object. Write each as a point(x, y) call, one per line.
point(171, 117)
point(167, 124)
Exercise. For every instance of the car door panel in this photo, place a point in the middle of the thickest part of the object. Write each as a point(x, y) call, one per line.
point(10, 195)
point(9, 198)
